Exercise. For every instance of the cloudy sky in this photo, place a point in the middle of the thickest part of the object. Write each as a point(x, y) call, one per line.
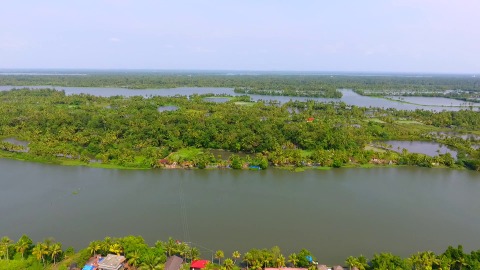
point(296, 35)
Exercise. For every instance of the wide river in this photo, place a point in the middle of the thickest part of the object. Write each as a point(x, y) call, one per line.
point(349, 97)
point(334, 213)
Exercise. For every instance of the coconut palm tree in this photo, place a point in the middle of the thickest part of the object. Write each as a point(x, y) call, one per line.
point(5, 242)
point(93, 247)
point(55, 250)
point(293, 259)
point(134, 258)
point(236, 255)
point(219, 255)
point(116, 248)
point(280, 261)
point(23, 244)
point(39, 251)
point(170, 246)
point(151, 262)
point(228, 264)
point(351, 262)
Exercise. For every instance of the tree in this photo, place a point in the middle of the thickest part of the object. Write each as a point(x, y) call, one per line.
point(280, 261)
point(219, 255)
point(304, 258)
point(93, 247)
point(5, 242)
point(236, 255)
point(293, 259)
point(134, 258)
point(116, 248)
point(228, 264)
point(351, 262)
point(55, 250)
point(23, 245)
point(39, 251)
point(151, 262)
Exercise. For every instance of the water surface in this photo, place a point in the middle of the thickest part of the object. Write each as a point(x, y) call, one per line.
point(349, 97)
point(333, 213)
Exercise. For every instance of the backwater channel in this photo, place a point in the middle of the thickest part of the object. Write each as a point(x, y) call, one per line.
point(333, 213)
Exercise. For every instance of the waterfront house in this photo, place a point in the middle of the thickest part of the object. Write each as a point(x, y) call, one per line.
point(173, 263)
point(322, 267)
point(198, 264)
point(111, 262)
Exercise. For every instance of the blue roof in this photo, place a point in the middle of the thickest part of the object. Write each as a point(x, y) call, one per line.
point(88, 267)
point(309, 258)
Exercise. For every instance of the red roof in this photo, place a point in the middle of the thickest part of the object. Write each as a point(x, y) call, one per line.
point(199, 264)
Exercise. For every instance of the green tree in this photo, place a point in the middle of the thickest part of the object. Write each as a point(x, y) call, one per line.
point(5, 242)
point(23, 245)
point(228, 264)
point(134, 258)
point(55, 250)
point(151, 262)
point(293, 259)
point(236, 255)
point(94, 247)
point(219, 255)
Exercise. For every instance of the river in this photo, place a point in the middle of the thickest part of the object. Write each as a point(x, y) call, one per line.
point(333, 213)
point(349, 96)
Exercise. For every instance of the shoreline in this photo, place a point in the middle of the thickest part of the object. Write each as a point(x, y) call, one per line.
point(293, 168)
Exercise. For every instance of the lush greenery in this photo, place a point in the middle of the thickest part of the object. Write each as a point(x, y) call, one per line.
point(49, 254)
point(311, 85)
point(132, 133)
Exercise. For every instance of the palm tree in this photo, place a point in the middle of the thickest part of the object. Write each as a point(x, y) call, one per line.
point(116, 248)
point(105, 245)
point(23, 244)
point(170, 246)
point(93, 247)
point(236, 255)
point(151, 262)
point(351, 262)
point(293, 259)
point(247, 257)
point(228, 264)
point(55, 250)
point(39, 251)
point(6, 246)
point(194, 253)
point(280, 261)
point(134, 258)
point(219, 255)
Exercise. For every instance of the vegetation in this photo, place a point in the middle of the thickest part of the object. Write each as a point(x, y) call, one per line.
point(309, 85)
point(49, 254)
point(132, 133)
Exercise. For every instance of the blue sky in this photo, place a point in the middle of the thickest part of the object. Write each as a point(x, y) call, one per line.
point(368, 36)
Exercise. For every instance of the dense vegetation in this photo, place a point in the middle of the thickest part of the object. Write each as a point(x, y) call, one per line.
point(49, 254)
point(132, 132)
point(309, 85)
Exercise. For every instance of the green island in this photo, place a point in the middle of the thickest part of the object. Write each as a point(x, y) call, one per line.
point(132, 252)
point(46, 125)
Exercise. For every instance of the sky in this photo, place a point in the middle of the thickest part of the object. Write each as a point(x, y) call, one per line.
point(428, 36)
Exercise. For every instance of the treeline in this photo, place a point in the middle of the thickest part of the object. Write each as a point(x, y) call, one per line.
point(324, 85)
point(132, 132)
point(49, 254)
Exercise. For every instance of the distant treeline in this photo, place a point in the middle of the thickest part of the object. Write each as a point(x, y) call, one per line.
point(292, 85)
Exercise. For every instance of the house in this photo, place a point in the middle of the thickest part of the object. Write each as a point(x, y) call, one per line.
point(173, 263)
point(111, 262)
point(198, 264)
point(322, 267)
